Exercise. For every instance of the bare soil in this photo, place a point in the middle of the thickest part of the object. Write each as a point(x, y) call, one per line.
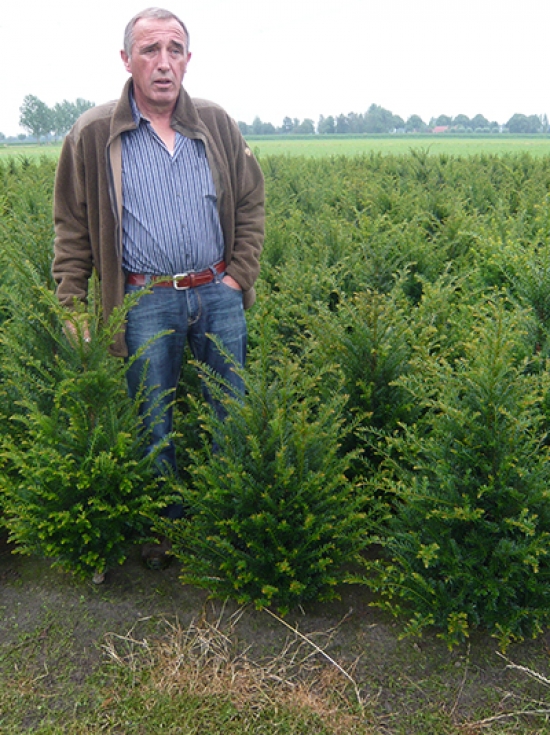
point(399, 680)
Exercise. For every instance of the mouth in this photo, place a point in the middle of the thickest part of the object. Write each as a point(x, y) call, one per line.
point(162, 83)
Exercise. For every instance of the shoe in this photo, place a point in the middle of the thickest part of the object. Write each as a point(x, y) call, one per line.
point(156, 555)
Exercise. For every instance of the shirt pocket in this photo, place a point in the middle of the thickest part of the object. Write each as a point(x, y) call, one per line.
point(204, 174)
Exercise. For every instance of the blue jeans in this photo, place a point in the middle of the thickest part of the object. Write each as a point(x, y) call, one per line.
point(192, 314)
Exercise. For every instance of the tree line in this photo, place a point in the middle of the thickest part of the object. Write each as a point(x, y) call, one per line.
point(42, 121)
point(379, 120)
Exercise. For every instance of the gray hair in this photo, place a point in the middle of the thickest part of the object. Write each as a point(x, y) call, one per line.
point(159, 14)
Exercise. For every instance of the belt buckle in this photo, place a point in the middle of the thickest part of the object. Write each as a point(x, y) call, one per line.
point(179, 277)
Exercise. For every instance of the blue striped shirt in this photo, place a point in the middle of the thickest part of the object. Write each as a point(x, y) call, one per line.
point(170, 221)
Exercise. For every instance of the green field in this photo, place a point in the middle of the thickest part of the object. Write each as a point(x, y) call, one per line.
point(29, 151)
point(344, 145)
point(399, 144)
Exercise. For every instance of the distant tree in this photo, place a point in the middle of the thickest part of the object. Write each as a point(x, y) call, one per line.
point(398, 123)
point(287, 126)
point(415, 124)
point(62, 117)
point(81, 106)
point(462, 120)
point(257, 126)
point(520, 124)
point(535, 124)
point(306, 127)
point(379, 120)
point(261, 128)
point(65, 114)
point(479, 121)
point(243, 127)
point(517, 123)
point(342, 124)
point(443, 120)
point(356, 123)
point(36, 117)
point(326, 125)
point(2, 136)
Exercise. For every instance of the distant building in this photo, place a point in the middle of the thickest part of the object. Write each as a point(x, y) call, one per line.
point(440, 129)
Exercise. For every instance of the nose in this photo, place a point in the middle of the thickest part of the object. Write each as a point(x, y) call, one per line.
point(163, 59)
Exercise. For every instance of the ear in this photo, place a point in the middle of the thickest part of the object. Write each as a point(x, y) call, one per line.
point(126, 61)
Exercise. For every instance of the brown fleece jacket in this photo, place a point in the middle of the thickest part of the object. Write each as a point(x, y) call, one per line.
point(88, 199)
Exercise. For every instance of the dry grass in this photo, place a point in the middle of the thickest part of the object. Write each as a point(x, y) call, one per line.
point(537, 707)
point(205, 659)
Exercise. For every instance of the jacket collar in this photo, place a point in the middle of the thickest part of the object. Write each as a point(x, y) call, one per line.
point(185, 118)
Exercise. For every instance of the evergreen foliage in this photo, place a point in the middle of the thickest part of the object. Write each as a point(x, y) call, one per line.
point(467, 543)
point(416, 286)
point(370, 338)
point(272, 517)
point(74, 482)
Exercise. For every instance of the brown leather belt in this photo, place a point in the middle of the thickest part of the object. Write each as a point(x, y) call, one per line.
point(180, 281)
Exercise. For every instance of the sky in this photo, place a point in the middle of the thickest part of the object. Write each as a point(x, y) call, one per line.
point(295, 58)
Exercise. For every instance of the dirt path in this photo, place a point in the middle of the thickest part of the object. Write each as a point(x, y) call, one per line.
point(64, 623)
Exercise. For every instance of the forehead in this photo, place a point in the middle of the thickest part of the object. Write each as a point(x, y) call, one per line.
point(152, 30)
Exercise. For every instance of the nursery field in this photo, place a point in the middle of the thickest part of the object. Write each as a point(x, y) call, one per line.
point(376, 515)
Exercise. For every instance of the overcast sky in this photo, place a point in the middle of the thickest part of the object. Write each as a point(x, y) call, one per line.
point(296, 58)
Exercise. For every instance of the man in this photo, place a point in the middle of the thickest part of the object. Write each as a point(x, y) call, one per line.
point(159, 191)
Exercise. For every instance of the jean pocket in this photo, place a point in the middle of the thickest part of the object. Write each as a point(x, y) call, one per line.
point(231, 288)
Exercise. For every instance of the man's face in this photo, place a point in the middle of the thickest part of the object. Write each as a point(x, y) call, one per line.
point(157, 63)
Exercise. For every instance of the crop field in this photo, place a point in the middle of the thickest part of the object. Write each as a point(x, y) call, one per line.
point(400, 144)
point(29, 151)
point(342, 145)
